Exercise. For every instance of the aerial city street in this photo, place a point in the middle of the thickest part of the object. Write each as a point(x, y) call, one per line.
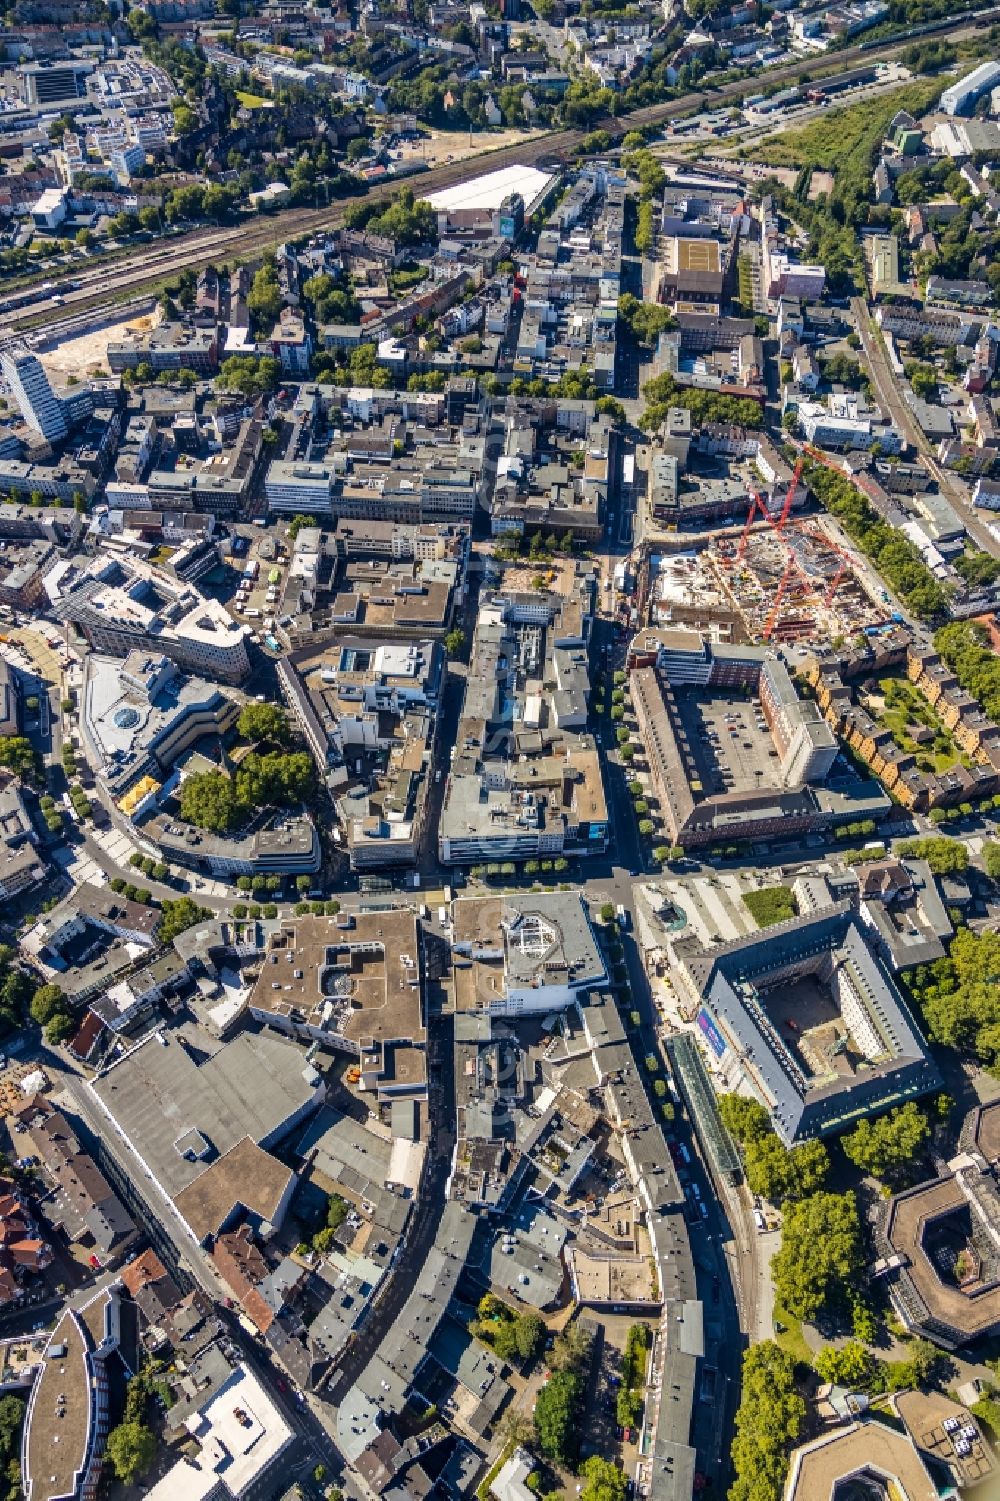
point(499, 750)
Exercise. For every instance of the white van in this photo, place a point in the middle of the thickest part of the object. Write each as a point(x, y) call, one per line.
point(759, 1220)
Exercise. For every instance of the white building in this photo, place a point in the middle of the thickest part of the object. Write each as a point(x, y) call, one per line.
point(961, 97)
point(523, 955)
point(841, 424)
point(49, 209)
point(241, 1437)
point(299, 489)
point(39, 405)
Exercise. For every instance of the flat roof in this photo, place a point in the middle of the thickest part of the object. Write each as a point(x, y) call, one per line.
point(362, 980)
point(935, 1422)
point(244, 1176)
point(240, 1433)
point(518, 940)
point(697, 255)
point(490, 189)
point(863, 1448)
point(172, 1095)
point(967, 1313)
point(57, 1433)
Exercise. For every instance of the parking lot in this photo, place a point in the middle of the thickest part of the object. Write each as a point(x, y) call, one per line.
point(728, 742)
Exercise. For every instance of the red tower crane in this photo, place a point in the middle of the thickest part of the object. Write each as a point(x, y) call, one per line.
point(792, 488)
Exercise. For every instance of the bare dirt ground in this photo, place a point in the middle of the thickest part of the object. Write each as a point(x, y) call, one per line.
point(453, 145)
point(87, 353)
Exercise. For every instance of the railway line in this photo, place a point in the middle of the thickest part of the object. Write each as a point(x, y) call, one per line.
point(100, 286)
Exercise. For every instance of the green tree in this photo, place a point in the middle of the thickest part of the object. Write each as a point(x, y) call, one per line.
point(647, 320)
point(529, 1333)
point(249, 375)
point(603, 1481)
point(19, 756)
point(179, 915)
point(820, 1252)
point(60, 1027)
point(769, 1421)
point(297, 523)
point(851, 1365)
point(48, 1001)
point(780, 1174)
point(571, 1348)
point(744, 1118)
point(944, 856)
point(556, 1416)
point(185, 118)
point(991, 859)
point(263, 722)
point(131, 1448)
point(264, 300)
point(209, 800)
point(960, 998)
point(884, 1146)
point(454, 642)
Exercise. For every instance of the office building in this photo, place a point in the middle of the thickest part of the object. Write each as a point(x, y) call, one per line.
point(38, 404)
point(806, 1017)
point(523, 955)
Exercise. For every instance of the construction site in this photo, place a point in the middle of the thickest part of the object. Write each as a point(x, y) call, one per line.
point(795, 583)
point(780, 580)
point(788, 585)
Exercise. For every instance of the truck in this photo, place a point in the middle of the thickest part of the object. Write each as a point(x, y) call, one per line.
point(621, 913)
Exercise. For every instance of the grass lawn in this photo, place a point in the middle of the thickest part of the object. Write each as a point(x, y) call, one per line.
point(483, 1489)
point(902, 709)
point(252, 101)
point(406, 277)
point(792, 1340)
point(836, 136)
point(770, 905)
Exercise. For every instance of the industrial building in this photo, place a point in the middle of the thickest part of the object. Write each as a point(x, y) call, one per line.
point(961, 98)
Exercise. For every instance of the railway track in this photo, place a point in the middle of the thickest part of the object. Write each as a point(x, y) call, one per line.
point(202, 247)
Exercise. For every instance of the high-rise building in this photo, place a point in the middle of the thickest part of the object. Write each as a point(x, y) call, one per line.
point(39, 404)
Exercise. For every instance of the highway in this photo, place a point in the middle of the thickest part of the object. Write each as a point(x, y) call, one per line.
point(895, 406)
point(150, 265)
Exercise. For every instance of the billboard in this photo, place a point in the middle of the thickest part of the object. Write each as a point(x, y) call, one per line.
point(713, 1036)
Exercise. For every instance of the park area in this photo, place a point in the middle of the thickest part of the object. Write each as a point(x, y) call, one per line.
point(913, 724)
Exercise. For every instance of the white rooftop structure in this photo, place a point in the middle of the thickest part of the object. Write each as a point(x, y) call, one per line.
point(511, 1484)
point(240, 1434)
point(489, 190)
